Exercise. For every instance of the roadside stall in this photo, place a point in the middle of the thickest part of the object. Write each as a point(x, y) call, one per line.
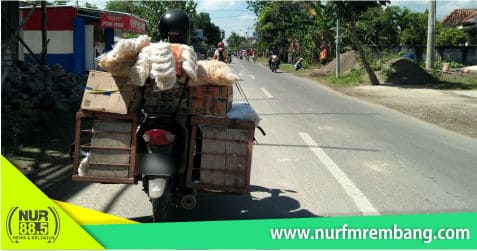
point(77, 35)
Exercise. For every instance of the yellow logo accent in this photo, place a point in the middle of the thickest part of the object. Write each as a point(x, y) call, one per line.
point(86, 216)
point(31, 220)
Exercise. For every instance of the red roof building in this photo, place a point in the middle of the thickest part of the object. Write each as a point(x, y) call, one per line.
point(77, 35)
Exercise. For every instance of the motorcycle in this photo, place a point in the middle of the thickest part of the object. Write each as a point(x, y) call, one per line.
point(161, 156)
point(274, 63)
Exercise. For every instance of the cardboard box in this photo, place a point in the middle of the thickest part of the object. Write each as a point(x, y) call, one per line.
point(105, 93)
point(210, 100)
point(211, 91)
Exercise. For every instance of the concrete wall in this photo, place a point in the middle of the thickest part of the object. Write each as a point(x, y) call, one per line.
point(466, 55)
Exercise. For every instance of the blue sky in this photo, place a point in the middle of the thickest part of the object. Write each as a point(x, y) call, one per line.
point(233, 16)
point(229, 15)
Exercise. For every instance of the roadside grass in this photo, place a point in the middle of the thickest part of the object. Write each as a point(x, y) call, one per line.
point(356, 77)
point(287, 68)
point(353, 78)
point(454, 81)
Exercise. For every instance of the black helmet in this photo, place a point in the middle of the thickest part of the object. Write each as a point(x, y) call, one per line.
point(174, 26)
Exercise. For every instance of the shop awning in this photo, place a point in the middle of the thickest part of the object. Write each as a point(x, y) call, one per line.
point(123, 22)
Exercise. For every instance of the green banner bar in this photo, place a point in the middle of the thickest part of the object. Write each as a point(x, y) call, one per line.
point(432, 231)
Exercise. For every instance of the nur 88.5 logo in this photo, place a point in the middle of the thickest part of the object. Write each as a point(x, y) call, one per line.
point(37, 225)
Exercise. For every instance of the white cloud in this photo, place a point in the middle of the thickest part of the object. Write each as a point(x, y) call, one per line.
point(248, 17)
point(211, 5)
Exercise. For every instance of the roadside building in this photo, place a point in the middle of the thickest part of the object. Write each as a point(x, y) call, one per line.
point(466, 20)
point(77, 35)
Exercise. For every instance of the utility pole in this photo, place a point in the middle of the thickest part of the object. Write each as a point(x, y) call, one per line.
point(431, 35)
point(44, 35)
point(338, 44)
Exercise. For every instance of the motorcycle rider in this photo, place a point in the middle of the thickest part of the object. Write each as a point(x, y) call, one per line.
point(273, 55)
point(219, 53)
point(175, 27)
point(161, 165)
point(254, 55)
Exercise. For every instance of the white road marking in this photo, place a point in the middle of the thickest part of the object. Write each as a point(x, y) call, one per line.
point(253, 77)
point(266, 93)
point(358, 197)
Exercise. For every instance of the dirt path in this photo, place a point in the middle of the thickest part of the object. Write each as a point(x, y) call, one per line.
point(455, 110)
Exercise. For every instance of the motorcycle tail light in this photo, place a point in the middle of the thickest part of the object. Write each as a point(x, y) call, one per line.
point(158, 137)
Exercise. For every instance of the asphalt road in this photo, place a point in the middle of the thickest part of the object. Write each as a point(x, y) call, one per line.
point(325, 154)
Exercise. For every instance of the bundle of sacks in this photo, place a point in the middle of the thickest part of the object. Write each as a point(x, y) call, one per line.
point(166, 63)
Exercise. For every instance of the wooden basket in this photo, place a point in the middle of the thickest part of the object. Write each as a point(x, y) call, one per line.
point(220, 154)
point(111, 142)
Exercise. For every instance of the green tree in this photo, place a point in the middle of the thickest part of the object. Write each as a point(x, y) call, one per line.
point(59, 2)
point(133, 7)
point(91, 6)
point(413, 28)
point(449, 36)
point(322, 30)
point(151, 11)
point(351, 11)
point(281, 23)
point(298, 27)
point(211, 31)
point(380, 27)
point(235, 41)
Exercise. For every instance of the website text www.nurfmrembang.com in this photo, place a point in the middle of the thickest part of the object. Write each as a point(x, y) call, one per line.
point(347, 233)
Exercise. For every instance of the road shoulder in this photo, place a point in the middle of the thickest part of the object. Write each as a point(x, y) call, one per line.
point(455, 110)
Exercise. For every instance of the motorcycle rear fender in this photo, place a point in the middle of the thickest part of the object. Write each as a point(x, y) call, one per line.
point(157, 164)
point(156, 186)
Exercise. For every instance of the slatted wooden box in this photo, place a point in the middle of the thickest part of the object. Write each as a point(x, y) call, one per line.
point(221, 154)
point(111, 141)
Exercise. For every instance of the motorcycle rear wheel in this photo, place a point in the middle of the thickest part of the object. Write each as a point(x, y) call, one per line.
point(163, 208)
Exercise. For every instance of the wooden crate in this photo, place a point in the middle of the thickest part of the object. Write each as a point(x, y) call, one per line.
point(111, 140)
point(221, 150)
point(210, 100)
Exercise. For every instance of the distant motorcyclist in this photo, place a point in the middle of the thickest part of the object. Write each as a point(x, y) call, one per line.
point(219, 53)
point(273, 55)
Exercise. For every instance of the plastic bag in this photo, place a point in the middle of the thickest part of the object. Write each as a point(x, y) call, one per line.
point(243, 111)
point(84, 165)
